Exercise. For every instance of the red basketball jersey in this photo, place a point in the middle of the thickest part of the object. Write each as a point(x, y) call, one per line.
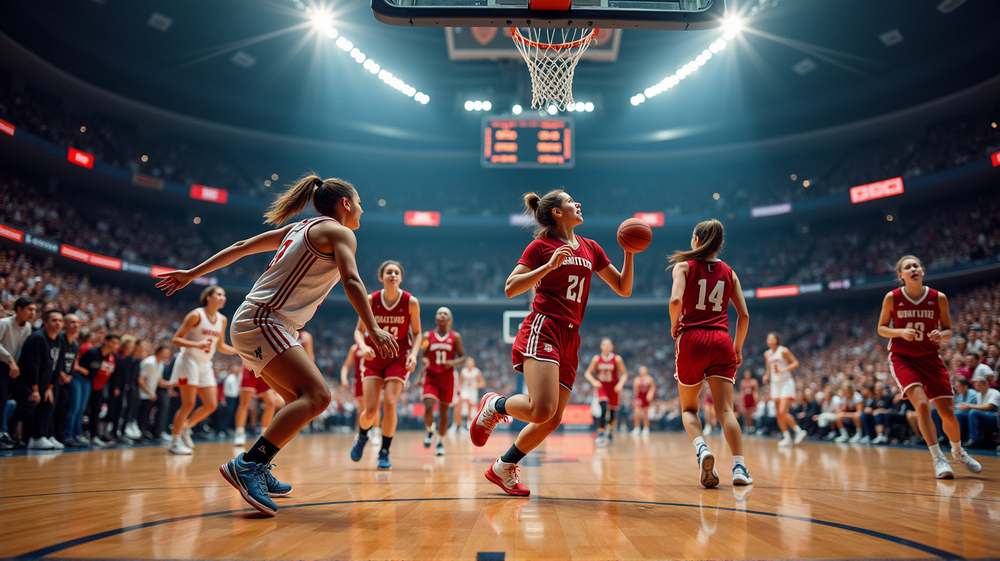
point(393, 317)
point(644, 386)
point(440, 351)
point(562, 294)
point(607, 370)
point(358, 355)
point(922, 314)
point(706, 295)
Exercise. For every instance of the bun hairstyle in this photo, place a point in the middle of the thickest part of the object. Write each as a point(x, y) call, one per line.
point(711, 233)
point(540, 208)
point(205, 294)
point(324, 194)
point(899, 265)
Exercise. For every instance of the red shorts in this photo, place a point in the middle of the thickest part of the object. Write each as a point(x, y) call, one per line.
point(543, 338)
point(358, 387)
point(704, 353)
point(749, 404)
point(640, 402)
point(606, 392)
point(440, 386)
point(248, 381)
point(928, 371)
point(385, 368)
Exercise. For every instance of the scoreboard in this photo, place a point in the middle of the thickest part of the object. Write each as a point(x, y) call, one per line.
point(527, 143)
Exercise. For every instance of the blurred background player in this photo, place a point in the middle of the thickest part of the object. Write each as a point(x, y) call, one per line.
point(645, 390)
point(780, 363)
point(253, 387)
point(748, 399)
point(470, 382)
point(443, 351)
point(398, 313)
point(610, 380)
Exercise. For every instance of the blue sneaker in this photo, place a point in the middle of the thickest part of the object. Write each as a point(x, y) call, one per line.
point(740, 475)
point(383, 460)
point(276, 488)
point(250, 479)
point(359, 447)
point(706, 466)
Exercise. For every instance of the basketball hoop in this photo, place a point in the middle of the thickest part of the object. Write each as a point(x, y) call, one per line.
point(552, 55)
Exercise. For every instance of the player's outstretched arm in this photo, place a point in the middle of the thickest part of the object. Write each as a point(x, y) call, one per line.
point(620, 282)
point(268, 241)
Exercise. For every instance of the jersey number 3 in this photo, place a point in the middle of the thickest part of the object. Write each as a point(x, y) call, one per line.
point(715, 297)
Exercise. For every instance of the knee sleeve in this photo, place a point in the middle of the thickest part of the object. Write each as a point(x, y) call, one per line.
point(604, 414)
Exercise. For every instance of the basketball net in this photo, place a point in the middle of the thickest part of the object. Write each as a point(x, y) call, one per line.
point(552, 55)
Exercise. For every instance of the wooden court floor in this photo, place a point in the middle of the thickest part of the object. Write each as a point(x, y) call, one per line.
point(637, 499)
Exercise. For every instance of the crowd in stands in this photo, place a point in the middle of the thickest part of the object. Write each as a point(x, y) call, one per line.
point(953, 142)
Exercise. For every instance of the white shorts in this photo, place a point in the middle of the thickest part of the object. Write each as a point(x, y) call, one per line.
point(259, 334)
point(471, 396)
point(189, 371)
point(783, 390)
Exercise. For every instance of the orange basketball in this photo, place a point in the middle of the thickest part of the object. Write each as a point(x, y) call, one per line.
point(634, 235)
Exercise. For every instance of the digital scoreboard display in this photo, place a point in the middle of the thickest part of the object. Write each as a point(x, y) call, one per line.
point(527, 143)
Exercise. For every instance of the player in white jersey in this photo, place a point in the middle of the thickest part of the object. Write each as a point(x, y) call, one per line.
point(310, 257)
point(780, 363)
point(470, 382)
point(199, 336)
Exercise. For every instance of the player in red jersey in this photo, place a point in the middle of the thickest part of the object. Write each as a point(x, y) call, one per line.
point(443, 351)
point(397, 312)
point(611, 378)
point(353, 361)
point(920, 321)
point(250, 387)
point(699, 302)
point(748, 389)
point(559, 265)
point(645, 390)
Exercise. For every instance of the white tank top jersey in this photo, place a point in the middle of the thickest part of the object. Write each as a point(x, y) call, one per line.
point(299, 277)
point(470, 378)
point(205, 330)
point(776, 360)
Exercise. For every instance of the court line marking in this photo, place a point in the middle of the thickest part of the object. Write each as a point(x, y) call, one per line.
point(54, 548)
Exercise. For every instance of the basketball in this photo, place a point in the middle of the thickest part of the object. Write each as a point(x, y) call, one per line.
point(634, 235)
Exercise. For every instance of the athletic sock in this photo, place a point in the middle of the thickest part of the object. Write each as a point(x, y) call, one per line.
point(698, 443)
point(935, 450)
point(363, 433)
point(738, 461)
point(501, 405)
point(956, 448)
point(386, 442)
point(262, 452)
point(513, 455)
point(787, 434)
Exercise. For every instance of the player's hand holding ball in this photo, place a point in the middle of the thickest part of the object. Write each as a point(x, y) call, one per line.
point(634, 235)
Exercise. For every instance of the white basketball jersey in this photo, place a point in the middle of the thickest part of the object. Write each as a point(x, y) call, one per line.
point(470, 378)
point(299, 277)
point(776, 360)
point(206, 330)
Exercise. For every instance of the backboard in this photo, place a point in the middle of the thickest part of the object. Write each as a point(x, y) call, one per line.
point(512, 320)
point(492, 43)
point(604, 14)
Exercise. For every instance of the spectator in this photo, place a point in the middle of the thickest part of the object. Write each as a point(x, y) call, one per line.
point(982, 414)
point(881, 410)
point(807, 412)
point(97, 365)
point(34, 388)
point(14, 330)
point(68, 351)
point(149, 382)
point(975, 366)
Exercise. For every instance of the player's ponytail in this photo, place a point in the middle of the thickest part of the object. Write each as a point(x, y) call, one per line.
point(324, 194)
point(540, 208)
point(711, 234)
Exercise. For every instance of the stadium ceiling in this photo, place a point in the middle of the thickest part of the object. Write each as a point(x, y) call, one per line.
point(796, 66)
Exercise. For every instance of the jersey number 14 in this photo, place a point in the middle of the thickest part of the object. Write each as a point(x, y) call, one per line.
point(715, 297)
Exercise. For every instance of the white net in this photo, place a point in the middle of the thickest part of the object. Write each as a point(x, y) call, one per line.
point(552, 55)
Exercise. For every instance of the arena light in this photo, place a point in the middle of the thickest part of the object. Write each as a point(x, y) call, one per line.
point(515, 110)
point(322, 20)
point(478, 105)
point(731, 27)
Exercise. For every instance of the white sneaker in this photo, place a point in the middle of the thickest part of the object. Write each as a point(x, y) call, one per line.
point(186, 438)
point(376, 439)
point(842, 438)
point(966, 460)
point(856, 438)
point(240, 439)
point(132, 431)
point(601, 441)
point(97, 442)
point(635, 431)
point(880, 439)
point(740, 476)
point(166, 437)
point(786, 440)
point(708, 430)
point(865, 440)
point(645, 431)
point(39, 444)
point(800, 435)
point(439, 449)
point(56, 445)
point(706, 467)
point(941, 468)
point(429, 439)
point(177, 448)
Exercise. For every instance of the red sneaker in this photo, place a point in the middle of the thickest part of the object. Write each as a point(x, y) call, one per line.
point(507, 477)
point(486, 419)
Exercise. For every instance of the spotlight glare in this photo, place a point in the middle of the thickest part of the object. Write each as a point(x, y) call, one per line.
point(477, 105)
point(469, 106)
point(732, 25)
point(487, 106)
point(331, 33)
point(516, 109)
point(321, 20)
point(553, 110)
point(589, 106)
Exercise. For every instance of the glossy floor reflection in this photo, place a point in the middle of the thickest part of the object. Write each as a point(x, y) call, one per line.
point(637, 499)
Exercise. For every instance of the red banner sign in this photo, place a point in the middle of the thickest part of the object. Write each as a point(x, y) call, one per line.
point(877, 190)
point(11, 233)
point(651, 218)
point(778, 291)
point(79, 158)
point(422, 218)
point(7, 128)
point(155, 271)
point(210, 194)
point(995, 158)
point(88, 257)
